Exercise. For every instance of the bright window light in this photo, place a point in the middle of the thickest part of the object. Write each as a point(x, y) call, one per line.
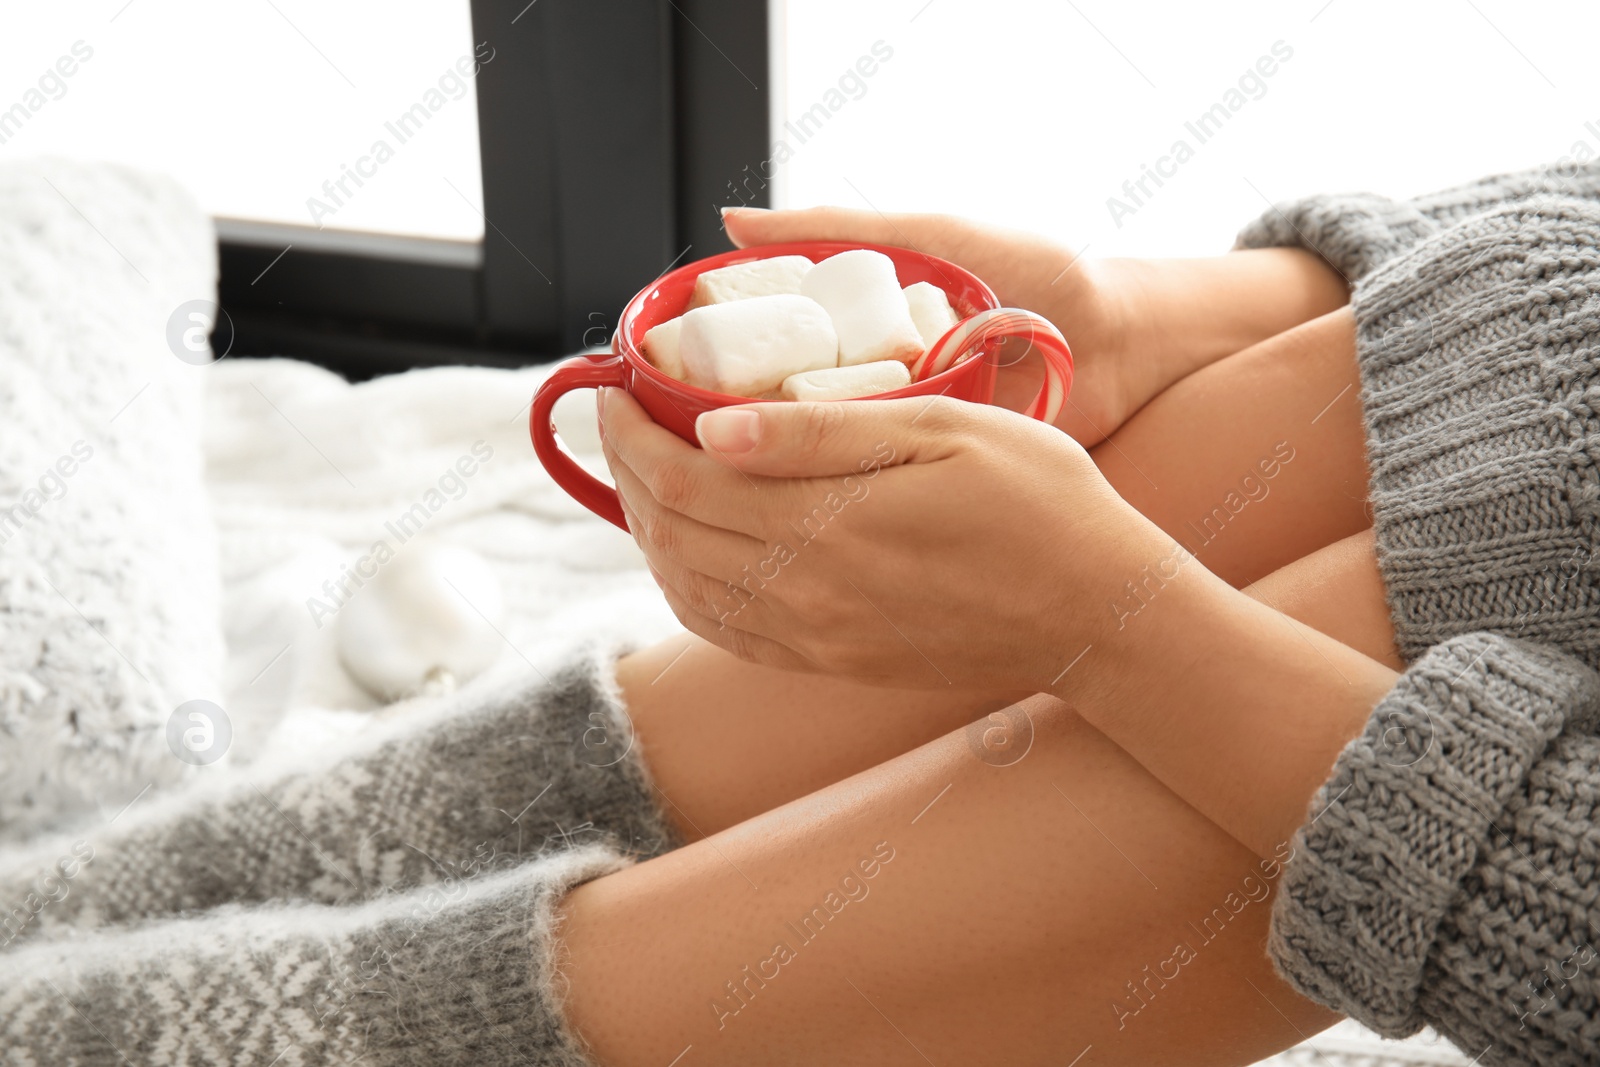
point(1067, 117)
point(263, 108)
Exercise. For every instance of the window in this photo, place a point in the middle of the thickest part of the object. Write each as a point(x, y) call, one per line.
point(380, 207)
point(264, 109)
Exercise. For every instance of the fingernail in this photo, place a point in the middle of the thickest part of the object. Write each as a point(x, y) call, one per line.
point(604, 394)
point(742, 207)
point(728, 429)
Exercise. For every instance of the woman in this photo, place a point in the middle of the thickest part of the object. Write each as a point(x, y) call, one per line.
point(1001, 755)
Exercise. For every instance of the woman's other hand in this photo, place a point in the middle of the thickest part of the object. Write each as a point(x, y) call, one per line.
point(915, 542)
point(1025, 271)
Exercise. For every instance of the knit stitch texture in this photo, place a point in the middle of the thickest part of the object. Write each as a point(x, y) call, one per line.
point(1448, 873)
point(1450, 868)
point(1479, 348)
point(475, 786)
point(462, 973)
point(1480, 369)
point(110, 612)
point(1355, 232)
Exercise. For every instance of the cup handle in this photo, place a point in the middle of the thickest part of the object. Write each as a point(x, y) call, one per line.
point(580, 372)
point(987, 327)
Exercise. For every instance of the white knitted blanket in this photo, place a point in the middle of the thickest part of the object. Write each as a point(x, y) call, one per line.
point(304, 470)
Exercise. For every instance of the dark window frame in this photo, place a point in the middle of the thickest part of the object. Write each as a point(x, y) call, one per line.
point(610, 133)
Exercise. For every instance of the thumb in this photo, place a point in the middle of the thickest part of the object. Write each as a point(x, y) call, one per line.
point(830, 438)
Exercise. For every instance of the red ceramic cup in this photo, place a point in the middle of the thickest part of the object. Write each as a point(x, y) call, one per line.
point(949, 368)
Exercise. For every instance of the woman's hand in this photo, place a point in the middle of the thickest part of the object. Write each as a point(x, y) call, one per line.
point(915, 542)
point(1025, 271)
point(1135, 325)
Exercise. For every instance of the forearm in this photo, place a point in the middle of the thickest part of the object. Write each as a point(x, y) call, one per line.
point(1179, 315)
point(1235, 707)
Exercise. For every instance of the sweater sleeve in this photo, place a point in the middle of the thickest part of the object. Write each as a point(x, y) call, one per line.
point(1352, 232)
point(1356, 232)
point(1479, 354)
point(1448, 875)
point(1579, 181)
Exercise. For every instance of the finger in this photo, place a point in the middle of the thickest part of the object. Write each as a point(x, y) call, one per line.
point(939, 235)
point(665, 534)
point(730, 605)
point(752, 648)
point(678, 475)
point(831, 439)
point(715, 598)
point(1020, 265)
point(719, 572)
point(734, 603)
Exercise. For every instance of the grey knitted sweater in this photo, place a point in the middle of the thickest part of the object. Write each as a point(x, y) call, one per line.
point(1452, 875)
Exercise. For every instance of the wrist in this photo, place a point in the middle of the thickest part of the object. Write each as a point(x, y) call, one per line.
point(1175, 316)
point(1116, 634)
point(1236, 708)
point(1173, 321)
point(1107, 632)
point(1099, 298)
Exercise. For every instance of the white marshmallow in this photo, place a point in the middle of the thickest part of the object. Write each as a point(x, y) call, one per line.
point(430, 617)
point(869, 312)
point(741, 281)
point(661, 343)
point(930, 310)
point(747, 347)
point(846, 383)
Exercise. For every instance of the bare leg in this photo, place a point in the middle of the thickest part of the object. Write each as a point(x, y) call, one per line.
point(727, 740)
point(940, 909)
point(1021, 901)
point(1256, 460)
point(1360, 619)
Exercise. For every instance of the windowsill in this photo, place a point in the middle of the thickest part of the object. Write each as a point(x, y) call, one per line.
point(431, 250)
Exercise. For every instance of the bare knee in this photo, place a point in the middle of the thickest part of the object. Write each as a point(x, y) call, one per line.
point(1337, 591)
